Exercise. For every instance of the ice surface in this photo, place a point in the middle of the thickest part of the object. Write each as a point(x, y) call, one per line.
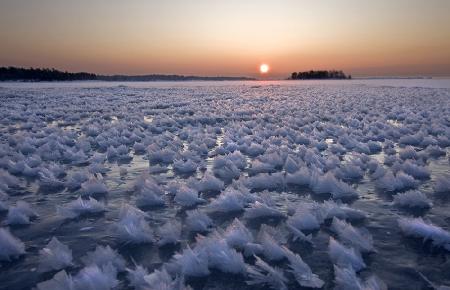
point(179, 185)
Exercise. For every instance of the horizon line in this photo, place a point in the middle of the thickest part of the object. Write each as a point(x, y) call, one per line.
point(249, 77)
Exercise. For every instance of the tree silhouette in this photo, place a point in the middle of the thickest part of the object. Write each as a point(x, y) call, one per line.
point(37, 74)
point(318, 75)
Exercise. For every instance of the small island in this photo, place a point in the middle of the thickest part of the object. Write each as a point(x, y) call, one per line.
point(319, 75)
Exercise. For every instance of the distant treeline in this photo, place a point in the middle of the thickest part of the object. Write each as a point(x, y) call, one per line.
point(319, 75)
point(45, 74)
point(159, 77)
point(41, 74)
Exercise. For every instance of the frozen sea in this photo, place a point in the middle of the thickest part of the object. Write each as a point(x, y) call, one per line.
point(225, 185)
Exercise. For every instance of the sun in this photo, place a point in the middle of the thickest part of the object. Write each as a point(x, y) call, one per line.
point(264, 68)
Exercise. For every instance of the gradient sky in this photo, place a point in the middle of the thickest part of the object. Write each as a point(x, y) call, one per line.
point(229, 37)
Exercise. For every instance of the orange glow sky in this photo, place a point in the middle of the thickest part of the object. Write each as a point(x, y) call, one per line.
point(232, 37)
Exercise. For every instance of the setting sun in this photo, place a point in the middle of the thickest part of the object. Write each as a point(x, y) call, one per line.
point(264, 68)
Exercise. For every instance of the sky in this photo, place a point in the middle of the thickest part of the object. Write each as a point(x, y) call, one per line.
point(228, 37)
